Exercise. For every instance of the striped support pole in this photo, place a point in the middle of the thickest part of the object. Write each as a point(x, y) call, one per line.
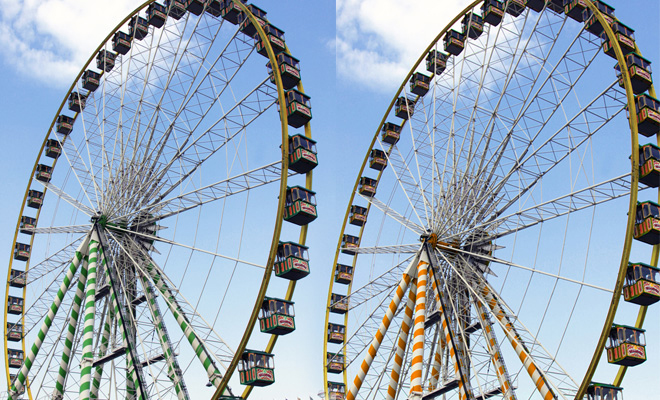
point(437, 363)
point(103, 349)
point(105, 338)
point(382, 329)
point(495, 354)
point(202, 354)
point(173, 369)
point(88, 322)
point(19, 382)
point(516, 341)
point(418, 328)
point(58, 392)
point(402, 340)
point(134, 379)
point(464, 389)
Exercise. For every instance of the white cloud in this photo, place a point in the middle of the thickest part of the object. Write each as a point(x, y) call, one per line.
point(50, 40)
point(379, 40)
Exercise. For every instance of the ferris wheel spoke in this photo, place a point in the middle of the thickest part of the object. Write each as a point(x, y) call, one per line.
point(394, 249)
point(221, 131)
point(388, 211)
point(228, 187)
point(571, 136)
point(577, 131)
point(488, 259)
point(148, 65)
point(183, 59)
point(409, 184)
point(198, 147)
point(127, 328)
point(538, 361)
point(185, 246)
point(195, 328)
point(54, 262)
point(66, 197)
point(80, 171)
point(534, 118)
point(59, 229)
point(582, 199)
point(173, 367)
point(383, 284)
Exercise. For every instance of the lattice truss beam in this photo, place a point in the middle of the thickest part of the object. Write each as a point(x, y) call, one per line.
point(456, 323)
point(521, 147)
point(164, 111)
point(105, 305)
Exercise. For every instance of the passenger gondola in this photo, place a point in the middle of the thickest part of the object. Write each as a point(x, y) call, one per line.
point(343, 274)
point(367, 186)
point(300, 205)
point(648, 115)
point(642, 285)
point(292, 261)
point(436, 62)
point(256, 368)
point(639, 69)
point(338, 304)
point(289, 70)
point(624, 35)
point(377, 159)
point(105, 60)
point(626, 346)
point(121, 42)
point(493, 11)
point(302, 154)
point(454, 41)
point(358, 215)
point(298, 108)
point(647, 223)
point(156, 14)
point(277, 316)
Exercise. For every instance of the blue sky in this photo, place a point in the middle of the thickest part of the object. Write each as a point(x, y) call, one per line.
point(353, 55)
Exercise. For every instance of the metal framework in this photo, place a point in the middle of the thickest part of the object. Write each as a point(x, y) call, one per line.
point(494, 171)
point(164, 171)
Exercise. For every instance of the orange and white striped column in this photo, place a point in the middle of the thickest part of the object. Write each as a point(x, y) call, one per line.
point(418, 327)
point(402, 340)
point(530, 366)
point(436, 364)
point(464, 388)
point(495, 354)
point(382, 329)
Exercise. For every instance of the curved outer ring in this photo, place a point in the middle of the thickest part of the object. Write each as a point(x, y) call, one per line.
point(629, 226)
point(280, 208)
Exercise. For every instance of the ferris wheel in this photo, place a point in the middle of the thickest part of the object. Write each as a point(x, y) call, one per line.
point(174, 181)
point(481, 251)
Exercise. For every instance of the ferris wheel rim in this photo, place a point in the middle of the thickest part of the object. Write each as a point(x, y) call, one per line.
point(283, 181)
point(616, 293)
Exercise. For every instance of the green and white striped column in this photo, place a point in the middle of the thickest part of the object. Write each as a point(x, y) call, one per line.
point(105, 338)
point(105, 341)
point(202, 353)
point(19, 383)
point(58, 393)
point(174, 371)
point(88, 322)
point(132, 373)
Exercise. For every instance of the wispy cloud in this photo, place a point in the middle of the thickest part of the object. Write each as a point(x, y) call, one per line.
point(379, 40)
point(51, 39)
